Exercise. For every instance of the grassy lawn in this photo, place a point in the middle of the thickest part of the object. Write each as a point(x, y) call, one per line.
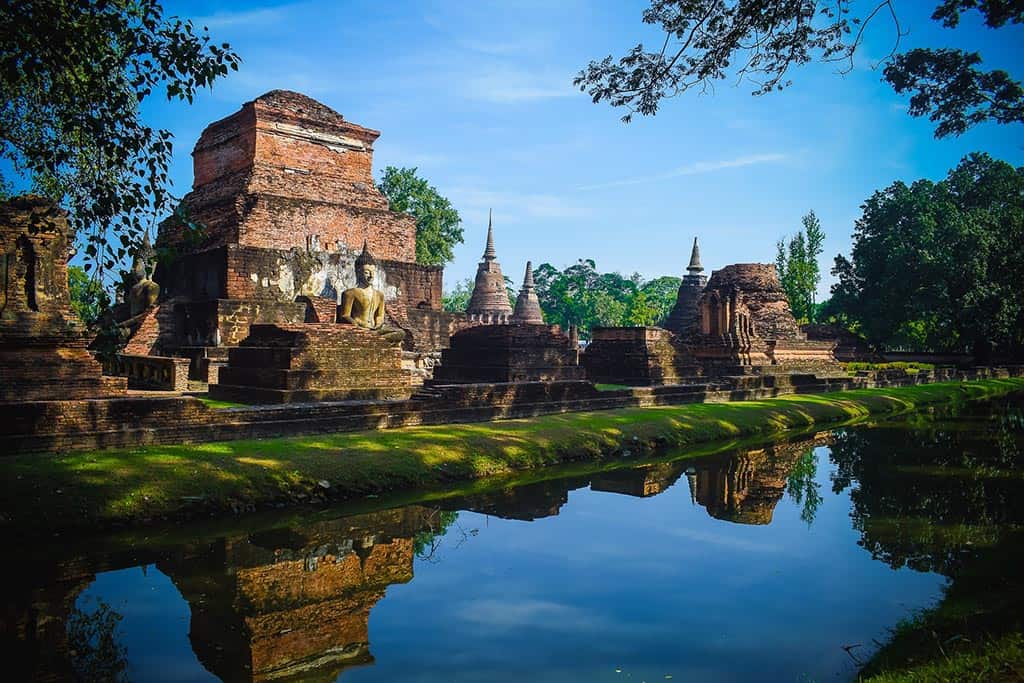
point(100, 488)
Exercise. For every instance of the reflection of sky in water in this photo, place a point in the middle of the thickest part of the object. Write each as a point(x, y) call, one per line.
point(155, 627)
point(651, 586)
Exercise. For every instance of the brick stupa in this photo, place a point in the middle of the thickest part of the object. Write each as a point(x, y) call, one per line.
point(489, 302)
point(684, 319)
point(528, 309)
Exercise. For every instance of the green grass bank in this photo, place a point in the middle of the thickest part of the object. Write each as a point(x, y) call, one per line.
point(94, 490)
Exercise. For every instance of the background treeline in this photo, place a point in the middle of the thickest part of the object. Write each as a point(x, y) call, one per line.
point(581, 295)
point(939, 266)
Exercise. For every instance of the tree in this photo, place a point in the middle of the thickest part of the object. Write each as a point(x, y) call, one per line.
point(457, 299)
point(935, 266)
point(438, 226)
point(661, 293)
point(586, 298)
point(760, 40)
point(88, 297)
point(797, 263)
point(72, 78)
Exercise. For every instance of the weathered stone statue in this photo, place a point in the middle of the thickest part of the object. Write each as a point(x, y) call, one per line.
point(363, 305)
point(144, 292)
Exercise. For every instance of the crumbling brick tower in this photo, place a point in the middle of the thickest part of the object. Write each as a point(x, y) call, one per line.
point(282, 201)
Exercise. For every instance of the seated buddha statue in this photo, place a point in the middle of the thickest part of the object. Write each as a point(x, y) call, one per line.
point(363, 305)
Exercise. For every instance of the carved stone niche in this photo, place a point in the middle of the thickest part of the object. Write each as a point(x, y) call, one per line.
point(42, 342)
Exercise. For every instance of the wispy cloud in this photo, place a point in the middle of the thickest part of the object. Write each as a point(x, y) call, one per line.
point(512, 207)
point(504, 85)
point(263, 16)
point(695, 168)
point(527, 613)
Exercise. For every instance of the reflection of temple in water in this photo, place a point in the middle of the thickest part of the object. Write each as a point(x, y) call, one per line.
point(287, 604)
point(639, 481)
point(525, 503)
point(294, 603)
point(745, 488)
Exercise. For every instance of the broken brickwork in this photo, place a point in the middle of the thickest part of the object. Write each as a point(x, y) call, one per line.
point(305, 362)
point(509, 353)
point(43, 351)
point(637, 356)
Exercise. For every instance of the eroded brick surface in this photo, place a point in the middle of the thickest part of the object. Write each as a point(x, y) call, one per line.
point(42, 343)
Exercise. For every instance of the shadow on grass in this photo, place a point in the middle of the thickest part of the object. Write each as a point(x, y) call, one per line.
point(98, 488)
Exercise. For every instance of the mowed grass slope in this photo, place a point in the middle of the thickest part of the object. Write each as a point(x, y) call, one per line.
point(102, 488)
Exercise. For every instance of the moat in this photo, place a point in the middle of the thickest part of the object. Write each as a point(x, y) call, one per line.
point(789, 562)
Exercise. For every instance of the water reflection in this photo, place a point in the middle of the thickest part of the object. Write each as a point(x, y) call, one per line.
point(294, 603)
point(930, 495)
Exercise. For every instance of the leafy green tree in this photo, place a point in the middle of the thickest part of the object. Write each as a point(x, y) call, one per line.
point(797, 263)
point(73, 75)
point(936, 266)
point(661, 293)
point(457, 299)
point(438, 226)
point(761, 40)
point(582, 296)
point(89, 298)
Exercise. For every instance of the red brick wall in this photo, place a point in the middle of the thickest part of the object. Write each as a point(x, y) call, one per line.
point(421, 286)
point(286, 168)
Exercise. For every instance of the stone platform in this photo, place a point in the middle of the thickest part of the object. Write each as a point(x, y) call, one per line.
point(638, 356)
point(312, 362)
point(509, 353)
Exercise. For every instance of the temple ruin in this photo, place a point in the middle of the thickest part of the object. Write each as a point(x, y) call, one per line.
point(282, 202)
point(43, 352)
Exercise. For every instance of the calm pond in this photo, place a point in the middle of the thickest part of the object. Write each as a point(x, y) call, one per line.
point(781, 564)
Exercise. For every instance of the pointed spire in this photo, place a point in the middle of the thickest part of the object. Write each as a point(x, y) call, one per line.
point(489, 253)
point(695, 267)
point(528, 309)
point(489, 301)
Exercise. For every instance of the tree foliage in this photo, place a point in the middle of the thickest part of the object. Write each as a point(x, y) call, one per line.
point(89, 298)
point(73, 75)
point(580, 295)
point(936, 266)
point(438, 226)
point(457, 299)
point(797, 263)
point(93, 641)
point(761, 40)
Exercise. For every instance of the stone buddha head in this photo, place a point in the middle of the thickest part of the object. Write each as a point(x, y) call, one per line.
point(366, 267)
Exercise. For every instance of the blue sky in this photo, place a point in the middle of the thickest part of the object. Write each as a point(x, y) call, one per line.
point(479, 97)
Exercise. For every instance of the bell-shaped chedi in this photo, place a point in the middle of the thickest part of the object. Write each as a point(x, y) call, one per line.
point(528, 311)
point(684, 319)
point(42, 342)
point(489, 301)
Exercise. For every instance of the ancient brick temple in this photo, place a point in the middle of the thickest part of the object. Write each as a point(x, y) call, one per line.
point(43, 351)
point(283, 200)
point(745, 319)
point(489, 303)
point(737, 322)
